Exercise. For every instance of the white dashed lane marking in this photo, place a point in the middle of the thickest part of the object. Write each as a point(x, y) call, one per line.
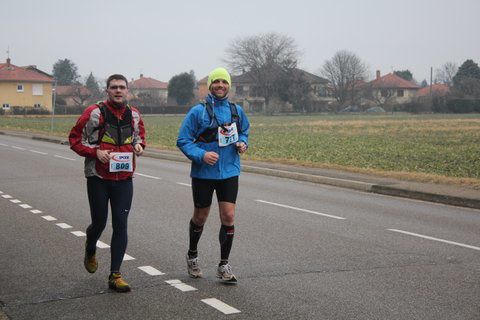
point(127, 257)
point(220, 306)
point(18, 148)
point(151, 271)
point(3, 145)
point(148, 176)
point(102, 245)
point(39, 152)
point(180, 285)
point(49, 218)
point(300, 209)
point(64, 225)
point(215, 303)
point(65, 158)
point(436, 239)
point(184, 184)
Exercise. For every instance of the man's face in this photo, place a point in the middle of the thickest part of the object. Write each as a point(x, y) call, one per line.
point(219, 88)
point(117, 91)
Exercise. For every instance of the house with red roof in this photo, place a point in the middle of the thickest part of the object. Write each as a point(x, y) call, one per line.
point(435, 90)
point(26, 87)
point(149, 90)
point(392, 89)
point(75, 95)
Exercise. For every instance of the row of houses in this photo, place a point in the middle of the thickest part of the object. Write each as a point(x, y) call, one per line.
point(30, 87)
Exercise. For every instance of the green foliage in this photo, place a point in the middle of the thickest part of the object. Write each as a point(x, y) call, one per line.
point(467, 80)
point(405, 74)
point(93, 86)
point(65, 72)
point(181, 87)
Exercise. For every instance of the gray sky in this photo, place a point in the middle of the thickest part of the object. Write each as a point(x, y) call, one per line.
point(163, 38)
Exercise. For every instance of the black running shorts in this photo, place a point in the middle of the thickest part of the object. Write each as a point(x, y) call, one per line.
point(202, 190)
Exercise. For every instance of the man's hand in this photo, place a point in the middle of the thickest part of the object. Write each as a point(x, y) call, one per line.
point(241, 147)
point(138, 149)
point(210, 157)
point(103, 155)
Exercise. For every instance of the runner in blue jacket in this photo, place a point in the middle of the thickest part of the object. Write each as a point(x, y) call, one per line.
point(213, 135)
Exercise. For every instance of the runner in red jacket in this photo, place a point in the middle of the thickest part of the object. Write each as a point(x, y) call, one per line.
point(109, 135)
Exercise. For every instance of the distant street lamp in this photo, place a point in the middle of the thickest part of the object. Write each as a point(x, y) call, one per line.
point(53, 105)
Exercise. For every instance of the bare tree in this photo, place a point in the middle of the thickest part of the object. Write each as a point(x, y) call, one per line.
point(80, 94)
point(267, 58)
point(445, 73)
point(344, 71)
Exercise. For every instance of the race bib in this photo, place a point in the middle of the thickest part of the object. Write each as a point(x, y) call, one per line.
point(228, 136)
point(121, 161)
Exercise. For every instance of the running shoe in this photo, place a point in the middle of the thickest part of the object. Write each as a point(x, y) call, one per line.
point(116, 282)
point(90, 262)
point(224, 272)
point(193, 268)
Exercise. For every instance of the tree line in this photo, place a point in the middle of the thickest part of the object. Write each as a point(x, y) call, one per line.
point(271, 61)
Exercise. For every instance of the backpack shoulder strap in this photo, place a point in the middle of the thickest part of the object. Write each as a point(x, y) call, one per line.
point(235, 116)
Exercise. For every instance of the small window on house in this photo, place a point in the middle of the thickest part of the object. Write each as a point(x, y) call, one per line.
point(37, 89)
point(384, 93)
point(20, 88)
point(239, 90)
point(400, 93)
point(6, 106)
point(37, 106)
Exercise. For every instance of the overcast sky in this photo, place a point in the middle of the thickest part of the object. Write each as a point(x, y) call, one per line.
point(163, 38)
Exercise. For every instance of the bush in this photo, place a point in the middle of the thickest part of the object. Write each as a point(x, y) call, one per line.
point(28, 111)
point(463, 105)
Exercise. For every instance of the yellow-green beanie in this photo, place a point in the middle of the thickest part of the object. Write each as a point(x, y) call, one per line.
point(219, 74)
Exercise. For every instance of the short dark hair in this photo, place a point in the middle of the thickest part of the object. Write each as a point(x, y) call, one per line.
point(116, 77)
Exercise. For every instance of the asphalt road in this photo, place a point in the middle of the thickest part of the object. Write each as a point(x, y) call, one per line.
point(301, 250)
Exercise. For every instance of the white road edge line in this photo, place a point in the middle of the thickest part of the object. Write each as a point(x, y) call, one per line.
point(4, 145)
point(19, 148)
point(39, 152)
point(300, 209)
point(184, 184)
point(57, 156)
point(147, 176)
point(220, 306)
point(435, 239)
point(151, 270)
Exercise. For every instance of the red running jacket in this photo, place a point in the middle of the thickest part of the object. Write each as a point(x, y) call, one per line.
point(84, 140)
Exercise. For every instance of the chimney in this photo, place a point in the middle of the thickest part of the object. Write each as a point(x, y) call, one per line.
point(378, 74)
point(141, 75)
point(8, 62)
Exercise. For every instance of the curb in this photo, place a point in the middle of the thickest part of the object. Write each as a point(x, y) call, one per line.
point(343, 183)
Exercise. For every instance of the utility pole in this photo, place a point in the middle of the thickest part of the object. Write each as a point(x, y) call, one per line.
point(431, 77)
